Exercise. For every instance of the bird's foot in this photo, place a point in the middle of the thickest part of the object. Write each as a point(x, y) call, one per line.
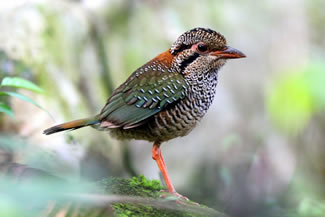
point(177, 197)
point(167, 194)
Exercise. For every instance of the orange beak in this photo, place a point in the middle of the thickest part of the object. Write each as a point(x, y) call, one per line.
point(228, 53)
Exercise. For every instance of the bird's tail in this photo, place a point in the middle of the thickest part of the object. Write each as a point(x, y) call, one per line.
point(72, 125)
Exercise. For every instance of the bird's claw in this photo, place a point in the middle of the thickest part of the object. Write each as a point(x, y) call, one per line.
point(180, 199)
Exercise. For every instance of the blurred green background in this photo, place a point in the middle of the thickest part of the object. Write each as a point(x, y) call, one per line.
point(260, 149)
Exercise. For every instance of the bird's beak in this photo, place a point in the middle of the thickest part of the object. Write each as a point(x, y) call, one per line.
point(228, 53)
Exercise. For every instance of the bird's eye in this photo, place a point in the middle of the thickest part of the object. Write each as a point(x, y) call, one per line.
point(202, 47)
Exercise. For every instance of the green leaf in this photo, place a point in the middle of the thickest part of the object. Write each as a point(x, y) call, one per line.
point(22, 97)
point(21, 83)
point(6, 109)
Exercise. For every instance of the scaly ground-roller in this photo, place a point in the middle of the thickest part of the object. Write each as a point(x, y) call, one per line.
point(166, 97)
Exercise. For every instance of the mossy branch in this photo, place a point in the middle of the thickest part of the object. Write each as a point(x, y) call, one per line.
point(137, 196)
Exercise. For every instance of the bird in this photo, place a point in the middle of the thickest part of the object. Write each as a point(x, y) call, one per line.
point(166, 97)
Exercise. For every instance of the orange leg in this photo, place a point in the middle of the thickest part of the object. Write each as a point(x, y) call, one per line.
point(157, 156)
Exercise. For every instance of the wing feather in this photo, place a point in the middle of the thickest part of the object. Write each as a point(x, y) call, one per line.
point(145, 93)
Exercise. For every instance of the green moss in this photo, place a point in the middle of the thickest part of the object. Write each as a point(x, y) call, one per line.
point(138, 186)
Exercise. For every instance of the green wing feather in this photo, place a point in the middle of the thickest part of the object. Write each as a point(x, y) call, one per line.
point(145, 93)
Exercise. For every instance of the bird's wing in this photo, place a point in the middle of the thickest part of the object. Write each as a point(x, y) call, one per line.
point(145, 93)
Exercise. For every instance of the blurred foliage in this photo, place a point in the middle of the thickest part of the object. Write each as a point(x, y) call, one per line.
point(29, 192)
point(311, 208)
point(297, 96)
point(12, 67)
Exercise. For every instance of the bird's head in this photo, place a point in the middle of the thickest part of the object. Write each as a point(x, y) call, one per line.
point(202, 50)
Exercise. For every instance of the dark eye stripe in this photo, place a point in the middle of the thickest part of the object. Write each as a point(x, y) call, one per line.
point(188, 61)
